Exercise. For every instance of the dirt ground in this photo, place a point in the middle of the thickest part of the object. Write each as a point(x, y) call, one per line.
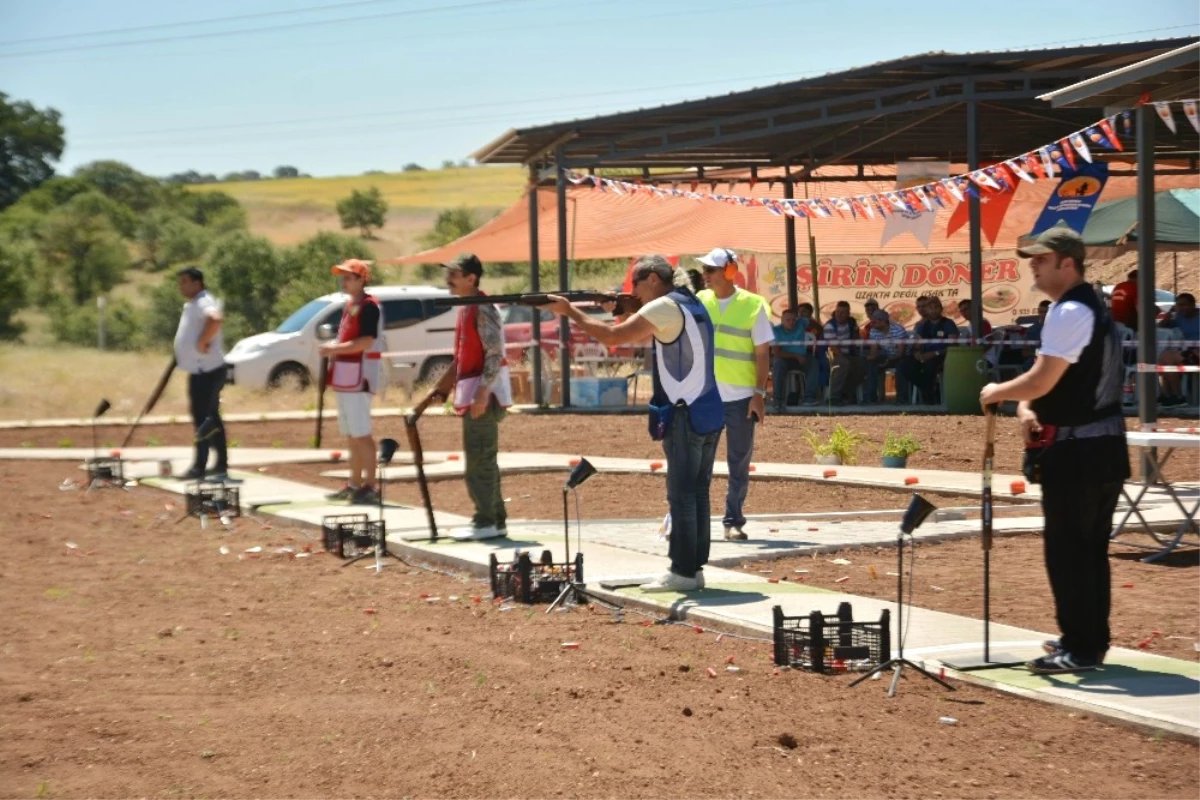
point(142, 662)
point(949, 442)
point(1155, 606)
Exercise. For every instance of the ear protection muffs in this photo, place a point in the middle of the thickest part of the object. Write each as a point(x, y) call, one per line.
point(731, 267)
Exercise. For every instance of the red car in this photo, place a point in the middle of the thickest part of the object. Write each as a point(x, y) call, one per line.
point(518, 330)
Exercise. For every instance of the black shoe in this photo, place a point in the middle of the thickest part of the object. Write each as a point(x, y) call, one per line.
point(342, 495)
point(218, 474)
point(365, 496)
point(1054, 646)
point(1061, 663)
point(193, 474)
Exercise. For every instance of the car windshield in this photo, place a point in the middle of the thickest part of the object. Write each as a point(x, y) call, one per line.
point(300, 318)
point(1163, 296)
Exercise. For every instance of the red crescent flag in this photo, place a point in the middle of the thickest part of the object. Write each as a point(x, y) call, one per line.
point(1108, 130)
point(992, 208)
point(1034, 164)
point(1067, 153)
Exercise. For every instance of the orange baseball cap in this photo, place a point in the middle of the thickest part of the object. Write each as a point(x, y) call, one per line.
point(353, 266)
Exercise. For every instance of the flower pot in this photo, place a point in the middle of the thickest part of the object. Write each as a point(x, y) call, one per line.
point(895, 462)
point(832, 458)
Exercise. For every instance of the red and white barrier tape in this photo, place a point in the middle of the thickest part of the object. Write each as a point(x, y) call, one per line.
point(1153, 429)
point(1161, 368)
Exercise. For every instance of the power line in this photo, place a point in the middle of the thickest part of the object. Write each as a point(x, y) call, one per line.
point(266, 29)
point(209, 21)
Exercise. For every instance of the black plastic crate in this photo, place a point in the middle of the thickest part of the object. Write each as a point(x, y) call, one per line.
point(529, 582)
point(106, 469)
point(823, 643)
point(214, 500)
point(350, 535)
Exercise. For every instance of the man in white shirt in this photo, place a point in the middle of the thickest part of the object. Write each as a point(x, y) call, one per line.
point(742, 349)
point(200, 352)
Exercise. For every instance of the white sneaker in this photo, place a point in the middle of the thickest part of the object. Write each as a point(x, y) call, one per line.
point(671, 583)
point(470, 533)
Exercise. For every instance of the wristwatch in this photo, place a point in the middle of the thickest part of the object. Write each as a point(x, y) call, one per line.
point(760, 392)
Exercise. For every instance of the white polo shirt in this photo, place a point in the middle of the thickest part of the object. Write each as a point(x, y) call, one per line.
point(191, 324)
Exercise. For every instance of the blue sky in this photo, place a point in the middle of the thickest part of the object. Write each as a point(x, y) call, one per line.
point(337, 87)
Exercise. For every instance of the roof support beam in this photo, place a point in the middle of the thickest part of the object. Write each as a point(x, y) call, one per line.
point(1117, 79)
point(860, 146)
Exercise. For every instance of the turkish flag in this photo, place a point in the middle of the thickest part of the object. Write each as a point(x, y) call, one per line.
point(992, 208)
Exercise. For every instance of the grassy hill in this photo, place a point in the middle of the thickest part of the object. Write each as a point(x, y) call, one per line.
point(287, 211)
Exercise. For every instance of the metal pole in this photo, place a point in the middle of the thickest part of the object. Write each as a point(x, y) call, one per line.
point(974, 223)
point(812, 260)
point(789, 241)
point(1147, 349)
point(535, 283)
point(564, 331)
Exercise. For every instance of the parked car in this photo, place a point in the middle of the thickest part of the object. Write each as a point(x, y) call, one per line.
point(518, 329)
point(287, 356)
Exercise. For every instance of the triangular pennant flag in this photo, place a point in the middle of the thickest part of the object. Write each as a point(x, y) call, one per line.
point(941, 193)
point(1080, 144)
point(1063, 155)
point(1164, 113)
point(1098, 137)
point(863, 209)
point(1110, 133)
point(880, 206)
point(1127, 123)
point(1018, 170)
point(896, 200)
point(769, 205)
point(1000, 174)
point(1189, 110)
point(951, 185)
point(841, 205)
point(929, 193)
point(1047, 161)
point(983, 179)
point(824, 209)
point(991, 215)
point(922, 198)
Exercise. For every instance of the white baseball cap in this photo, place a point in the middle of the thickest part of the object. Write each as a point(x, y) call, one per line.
point(718, 257)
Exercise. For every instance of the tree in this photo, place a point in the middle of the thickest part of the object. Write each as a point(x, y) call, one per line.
point(307, 267)
point(363, 210)
point(286, 172)
point(244, 270)
point(81, 251)
point(166, 238)
point(31, 142)
point(450, 225)
point(448, 163)
point(15, 264)
point(246, 175)
point(412, 166)
point(124, 184)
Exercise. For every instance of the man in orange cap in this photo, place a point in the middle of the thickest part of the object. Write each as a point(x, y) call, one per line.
point(355, 374)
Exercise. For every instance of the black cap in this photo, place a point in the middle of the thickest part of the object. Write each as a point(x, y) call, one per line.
point(1059, 239)
point(468, 263)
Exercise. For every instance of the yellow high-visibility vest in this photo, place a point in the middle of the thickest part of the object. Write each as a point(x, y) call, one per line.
point(733, 342)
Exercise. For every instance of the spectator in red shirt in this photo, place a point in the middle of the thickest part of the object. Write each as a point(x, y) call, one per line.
point(872, 305)
point(1124, 303)
point(806, 313)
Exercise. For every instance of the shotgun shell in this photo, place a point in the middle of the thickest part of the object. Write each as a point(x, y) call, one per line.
point(831, 473)
point(655, 466)
point(911, 480)
point(1017, 487)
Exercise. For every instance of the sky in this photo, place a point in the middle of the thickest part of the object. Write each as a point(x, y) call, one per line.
point(339, 87)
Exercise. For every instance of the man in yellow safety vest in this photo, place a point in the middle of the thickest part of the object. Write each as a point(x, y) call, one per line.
point(741, 345)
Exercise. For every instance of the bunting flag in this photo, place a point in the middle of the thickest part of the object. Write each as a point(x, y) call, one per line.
point(922, 188)
point(1073, 199)
point(992, 209)
point(1164, 113)
point(1189, 110)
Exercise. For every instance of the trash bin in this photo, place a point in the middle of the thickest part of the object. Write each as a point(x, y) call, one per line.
point(963, 378)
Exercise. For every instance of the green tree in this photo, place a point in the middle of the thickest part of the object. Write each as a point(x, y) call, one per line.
point(165, 238)
point(31, 142)
point(450, 225)
point(363, 210)
point(122, 183)
point(15, 264)
point(80, 325)
point(286, 172)
point(307, 268)
point(163, 305)
point(244, 271)
point(81, 252)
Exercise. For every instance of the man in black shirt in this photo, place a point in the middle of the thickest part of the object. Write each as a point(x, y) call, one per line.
point(1070, 411)
point(923, 365)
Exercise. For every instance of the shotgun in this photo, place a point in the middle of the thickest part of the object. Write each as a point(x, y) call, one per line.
point(159, 388)
point(322, 379)
point(626, 303)
point(414, 443)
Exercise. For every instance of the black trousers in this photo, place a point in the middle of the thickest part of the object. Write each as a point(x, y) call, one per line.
point(1078, 523)
point(204, 399)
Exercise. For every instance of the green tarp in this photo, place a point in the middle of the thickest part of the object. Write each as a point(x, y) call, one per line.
point(1176, 219)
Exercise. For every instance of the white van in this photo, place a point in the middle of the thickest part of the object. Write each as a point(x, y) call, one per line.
point(287, 356)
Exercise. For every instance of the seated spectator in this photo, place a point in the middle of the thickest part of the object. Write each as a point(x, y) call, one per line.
point(871, 306)
point(793, 352)
point(923, 365)
point(1124, 302)
point(885, 348)
point(1183, 317)
point(1034, 334)
point(964, 310)
point(847, 367)
point(922, 305)
point(804, 311)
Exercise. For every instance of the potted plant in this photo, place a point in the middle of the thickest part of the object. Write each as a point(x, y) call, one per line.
point(897, 449)
point(840, 448)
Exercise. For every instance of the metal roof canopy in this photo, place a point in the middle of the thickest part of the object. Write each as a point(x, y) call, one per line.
point(913, 107)
point(1171, 75)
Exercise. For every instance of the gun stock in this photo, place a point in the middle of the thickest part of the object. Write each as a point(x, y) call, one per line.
point(414, 443)
point(159, 388)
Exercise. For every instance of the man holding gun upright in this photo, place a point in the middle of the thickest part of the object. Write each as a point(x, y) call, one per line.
point(686, 413)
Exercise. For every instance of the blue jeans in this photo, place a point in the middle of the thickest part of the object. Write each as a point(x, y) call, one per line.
point(780, 367)
point(690, 457)
point(739, 447)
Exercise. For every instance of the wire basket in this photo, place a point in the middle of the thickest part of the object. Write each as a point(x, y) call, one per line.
point(821, 643)
point(214, 500)
point(107, 469)
point(350, 535)
point(529, 583)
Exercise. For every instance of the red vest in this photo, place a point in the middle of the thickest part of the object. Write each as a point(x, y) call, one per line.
point(468, 347)
point(366, 374)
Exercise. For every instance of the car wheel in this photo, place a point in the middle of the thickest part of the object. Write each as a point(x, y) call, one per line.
point(290, 376)
point(433, 369)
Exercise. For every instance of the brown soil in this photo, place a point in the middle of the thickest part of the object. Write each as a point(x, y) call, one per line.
point(539, 496)
point(949, 442)
point(145, 663)
point(1155, 604)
